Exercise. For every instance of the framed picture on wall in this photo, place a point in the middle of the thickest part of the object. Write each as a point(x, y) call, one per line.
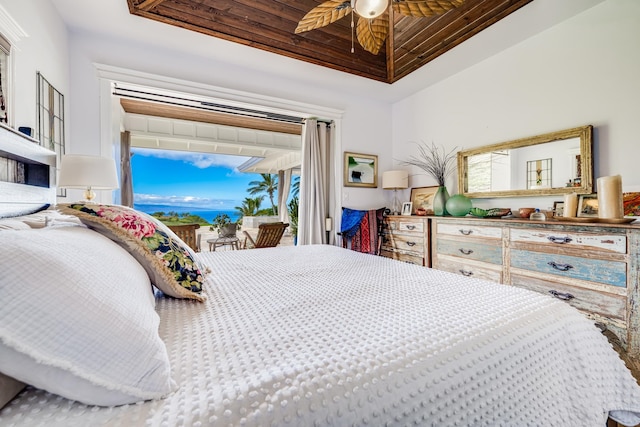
point(422, 197)
point(360, 170)
point(588, 205)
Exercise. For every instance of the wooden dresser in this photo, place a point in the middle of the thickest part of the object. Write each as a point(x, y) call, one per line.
point(593, 266)
point(406, 238)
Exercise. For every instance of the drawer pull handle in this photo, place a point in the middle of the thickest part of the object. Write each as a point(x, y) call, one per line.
point(411, 227)
point(411, 243)
point(466, 273)
point(562, 296)
point(465, 232)
point(559, 240)
point(560, 267)
point(466, 251)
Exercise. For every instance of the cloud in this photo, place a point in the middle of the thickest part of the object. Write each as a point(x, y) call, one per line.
point(199, 160)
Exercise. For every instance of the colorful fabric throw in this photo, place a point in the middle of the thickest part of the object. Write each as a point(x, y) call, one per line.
point(361, 229)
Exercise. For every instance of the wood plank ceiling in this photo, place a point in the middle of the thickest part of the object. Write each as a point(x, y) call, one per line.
point(270, 25)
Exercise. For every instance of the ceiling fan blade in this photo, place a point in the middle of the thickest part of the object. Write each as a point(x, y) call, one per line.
point(424, 8)
point(372, 33)
point(323, 15)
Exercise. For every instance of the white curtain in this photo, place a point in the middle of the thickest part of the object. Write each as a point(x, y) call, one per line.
point(314, 188)
point(126, 184)
point(284, 185)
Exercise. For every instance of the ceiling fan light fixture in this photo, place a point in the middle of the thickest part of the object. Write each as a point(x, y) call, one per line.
point(370, 8)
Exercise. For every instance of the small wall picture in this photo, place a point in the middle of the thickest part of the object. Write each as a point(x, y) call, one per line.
point(588, 205)
point(558, 208)
point(406, 208)
point(360, 170)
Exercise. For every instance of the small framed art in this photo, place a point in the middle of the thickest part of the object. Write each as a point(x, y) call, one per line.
point(406, 208)
point(631, 203)
point(588, 205)
point(558, 208)
point(360, 170)
point(422, 197)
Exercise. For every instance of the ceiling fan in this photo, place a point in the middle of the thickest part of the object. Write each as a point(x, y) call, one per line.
point(373, 22)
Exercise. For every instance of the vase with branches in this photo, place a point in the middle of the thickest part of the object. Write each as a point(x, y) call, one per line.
point(438, 163)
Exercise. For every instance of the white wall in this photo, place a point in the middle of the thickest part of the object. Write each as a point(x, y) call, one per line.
point(44, 49)
point(582, 71)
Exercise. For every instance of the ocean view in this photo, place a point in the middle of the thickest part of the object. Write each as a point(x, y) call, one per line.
point(207, 214)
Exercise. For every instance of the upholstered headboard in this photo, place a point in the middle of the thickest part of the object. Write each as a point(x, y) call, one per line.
point(27, 173)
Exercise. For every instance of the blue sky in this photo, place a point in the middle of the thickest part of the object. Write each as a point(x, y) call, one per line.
point(178, 178)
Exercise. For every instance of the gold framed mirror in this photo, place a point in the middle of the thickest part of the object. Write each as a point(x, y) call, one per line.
point(543, 165)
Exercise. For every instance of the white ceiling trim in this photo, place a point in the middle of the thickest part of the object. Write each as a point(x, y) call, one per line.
point(271, 151)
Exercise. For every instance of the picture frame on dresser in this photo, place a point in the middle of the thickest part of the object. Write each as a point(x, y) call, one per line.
point(588, 206)
point(558, 209)
point(406, 209)
point(631, 204)
point(422, 197)
point(360, 170)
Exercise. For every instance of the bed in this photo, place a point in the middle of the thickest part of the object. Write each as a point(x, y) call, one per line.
point(287, 336)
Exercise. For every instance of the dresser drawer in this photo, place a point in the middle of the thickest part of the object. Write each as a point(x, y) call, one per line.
point(580, 240)
point(588, 300)
point(411, 226)
point(405, 257)
point(469, 269)
point(594, 270)
point(469, 230)
point(405, 242)
point(470, 250)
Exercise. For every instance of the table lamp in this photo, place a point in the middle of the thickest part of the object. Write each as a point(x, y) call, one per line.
point(88, 173)
point(395, 180)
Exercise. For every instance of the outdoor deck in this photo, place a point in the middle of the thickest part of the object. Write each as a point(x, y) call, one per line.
point(205, 233)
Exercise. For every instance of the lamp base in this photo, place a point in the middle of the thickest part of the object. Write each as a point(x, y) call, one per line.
point(89, 195)
point(395, 205)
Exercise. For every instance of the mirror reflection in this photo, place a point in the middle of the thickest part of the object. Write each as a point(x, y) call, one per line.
point(555, 163)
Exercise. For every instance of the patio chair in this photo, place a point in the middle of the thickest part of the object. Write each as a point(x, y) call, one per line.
point(269, 235)
point(187, 233)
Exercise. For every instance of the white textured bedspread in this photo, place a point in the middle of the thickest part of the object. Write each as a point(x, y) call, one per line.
point(319, 335)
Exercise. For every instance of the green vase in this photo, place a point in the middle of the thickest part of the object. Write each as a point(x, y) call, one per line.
point(440, 201)
point(458, 205)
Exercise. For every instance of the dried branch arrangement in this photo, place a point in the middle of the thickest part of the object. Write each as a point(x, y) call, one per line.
point(434, 161)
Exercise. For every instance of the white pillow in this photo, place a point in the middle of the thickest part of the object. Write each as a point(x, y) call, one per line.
point(12, 224)
point(78, 318)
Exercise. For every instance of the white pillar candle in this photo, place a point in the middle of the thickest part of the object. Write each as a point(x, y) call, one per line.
point(570, 208)
point(610, 197)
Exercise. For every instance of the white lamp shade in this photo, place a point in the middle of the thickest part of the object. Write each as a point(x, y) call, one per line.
point(78, 171)
point(392, 180)
point(370, 8)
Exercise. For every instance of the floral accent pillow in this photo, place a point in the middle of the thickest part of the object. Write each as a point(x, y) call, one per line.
point(169, 262)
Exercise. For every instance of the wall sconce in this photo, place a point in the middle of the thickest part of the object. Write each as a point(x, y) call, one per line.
point(88, 173)
point(395, 180)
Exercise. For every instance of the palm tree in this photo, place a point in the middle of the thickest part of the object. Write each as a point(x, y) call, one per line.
point(269, 185)
point(295, 186)
point(250, 206)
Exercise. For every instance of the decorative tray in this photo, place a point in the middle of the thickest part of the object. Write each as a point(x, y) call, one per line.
point(616, 220)
point(577, 218)
point(596, 219)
